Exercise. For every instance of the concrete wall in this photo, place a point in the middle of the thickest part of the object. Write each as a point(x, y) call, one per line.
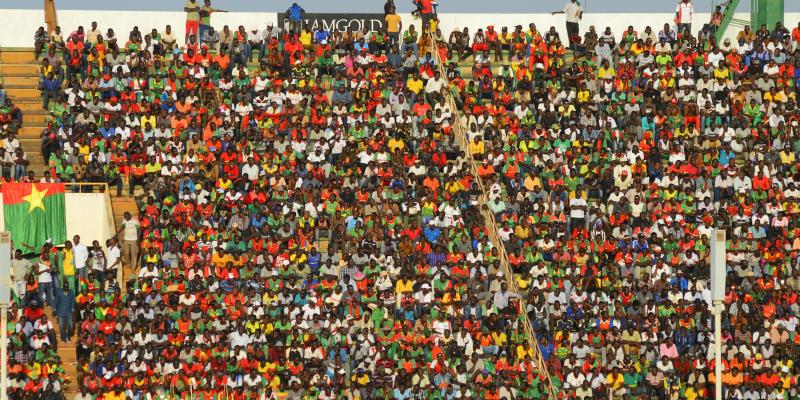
point(87, 216)
point(18, 26)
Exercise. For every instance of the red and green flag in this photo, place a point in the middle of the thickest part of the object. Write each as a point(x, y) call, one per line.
point(34, 213)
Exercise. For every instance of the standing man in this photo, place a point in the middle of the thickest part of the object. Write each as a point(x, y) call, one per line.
point(113, 262)
point(393, 27)
point(683, 16)
point(294, 19)
point(80, 254)
point(192, 19)
point(574, 14)
point(205, 18)
point(20, 268)
point(65, 305)
point(45, 278)
point(426, 12)
point(67, 265)
point(130, 241)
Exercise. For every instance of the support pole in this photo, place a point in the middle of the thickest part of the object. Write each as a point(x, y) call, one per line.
point(5, 300)
point(718, 350)
point(719, 270)
point(4, 352)
point(50, 17)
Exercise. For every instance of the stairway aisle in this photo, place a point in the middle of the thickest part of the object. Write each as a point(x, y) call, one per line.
point(69, 357)
point(19, 72)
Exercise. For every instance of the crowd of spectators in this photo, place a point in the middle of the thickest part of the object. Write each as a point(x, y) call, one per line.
point(607, 175)
point(34, 368)
point(13, 160)
point(308, 225)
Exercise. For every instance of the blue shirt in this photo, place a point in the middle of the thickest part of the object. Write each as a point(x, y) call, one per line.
point(295, 12)
point(107, 132)
point(320, 36)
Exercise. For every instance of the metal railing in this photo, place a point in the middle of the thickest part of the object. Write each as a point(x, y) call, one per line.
point(491, 223)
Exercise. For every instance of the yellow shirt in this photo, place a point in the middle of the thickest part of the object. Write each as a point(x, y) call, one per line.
point(414, 85)
point(152, 120)
point(224, 184)
point(193, 15)
point(532, 181)
point(500, 338)
point(113, 396)
point(433, 25)
point(615, 382)
point(392, 23)
point(523, 283)
point(476, 148)
point(606, 73)
point(362, 380)
point(396, 144)
point(454, 187)
point(403, 286)
point(779, 97)
point(68, 263)
point(305, 38)
point(84, 151)
point(504, 38)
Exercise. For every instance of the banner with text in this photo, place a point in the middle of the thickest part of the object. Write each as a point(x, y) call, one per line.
point(334, 22)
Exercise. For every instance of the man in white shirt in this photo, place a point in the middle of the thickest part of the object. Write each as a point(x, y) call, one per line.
point(683, 15)
point(574, 14)
point(80, 254)
point(130, 238)
point(114, 260)
point(577, 210)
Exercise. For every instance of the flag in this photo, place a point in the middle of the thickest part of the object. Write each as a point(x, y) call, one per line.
point(34, 213)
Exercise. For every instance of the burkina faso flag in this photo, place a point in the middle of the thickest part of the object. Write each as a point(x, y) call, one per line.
point(34, 212)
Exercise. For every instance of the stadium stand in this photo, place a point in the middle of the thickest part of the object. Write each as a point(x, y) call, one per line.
point(417, 214)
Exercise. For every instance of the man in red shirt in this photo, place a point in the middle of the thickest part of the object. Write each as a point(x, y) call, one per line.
point(425, 8)
point(492, 39)
point(796, 34)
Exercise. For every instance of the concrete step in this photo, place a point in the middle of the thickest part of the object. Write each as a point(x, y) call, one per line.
point(36, 119)
point(36, 111)
point(17, 56)
point(28, 131)
point(122, 204)
point(21, 69)
point(18, 93)
point(30, 143)
point(27, 105)
point(30, 80)
point(17, 73)
point(67, 355)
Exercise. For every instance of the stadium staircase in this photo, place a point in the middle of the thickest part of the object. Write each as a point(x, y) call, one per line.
point(492, 229)
point(727, 19)
point(19, 72)
point(69, 357)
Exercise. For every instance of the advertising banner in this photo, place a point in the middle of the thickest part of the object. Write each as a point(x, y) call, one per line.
point(335, 22)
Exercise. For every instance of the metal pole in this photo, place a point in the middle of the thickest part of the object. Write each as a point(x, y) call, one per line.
point(3, 352)
point(718, 350)
point(5, 301)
